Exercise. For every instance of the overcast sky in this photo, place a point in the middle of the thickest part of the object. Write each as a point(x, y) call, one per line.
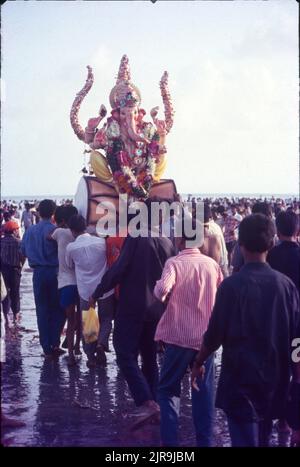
point(233, 70)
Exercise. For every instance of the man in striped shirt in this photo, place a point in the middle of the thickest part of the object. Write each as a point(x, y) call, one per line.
point(188, 284)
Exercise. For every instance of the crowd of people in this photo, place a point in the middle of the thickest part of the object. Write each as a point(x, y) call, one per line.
point(238, 290)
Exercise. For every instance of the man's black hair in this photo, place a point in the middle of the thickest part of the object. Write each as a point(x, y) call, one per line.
point(69, 211)
point(59, 214)
point(207, 214)
point(256, 233)
point(46, 208)
point(262, 208)
point(287, 223)
point(77, 223)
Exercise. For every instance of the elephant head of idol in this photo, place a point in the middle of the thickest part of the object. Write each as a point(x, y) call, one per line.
point(134, 150)
point(125, 99)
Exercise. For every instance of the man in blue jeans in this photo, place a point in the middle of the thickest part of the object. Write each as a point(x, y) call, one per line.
point(42, 257)
point(188, 285)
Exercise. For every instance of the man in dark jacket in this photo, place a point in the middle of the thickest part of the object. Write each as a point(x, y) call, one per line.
point(285, 258)
point(137, 269)
point(255, 319)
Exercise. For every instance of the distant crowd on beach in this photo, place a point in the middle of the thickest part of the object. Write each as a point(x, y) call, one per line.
point(238, 290)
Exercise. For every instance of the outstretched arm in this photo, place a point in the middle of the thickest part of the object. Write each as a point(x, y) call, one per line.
point(90, 130)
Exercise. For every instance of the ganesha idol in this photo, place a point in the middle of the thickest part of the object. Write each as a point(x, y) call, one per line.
point(127, 154)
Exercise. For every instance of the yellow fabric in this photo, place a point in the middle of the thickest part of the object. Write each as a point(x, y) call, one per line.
point(90, 325)
point(160, 168)
point(100, 166)
point(101, 170)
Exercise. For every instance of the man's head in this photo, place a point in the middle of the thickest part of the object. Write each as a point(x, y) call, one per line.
point(221, 210)
point(69, 211)
point(287, 224)
point(46, 208)
point(59, 216)
point(77, 225)
point(63, 214)
point(27, 206)
point(261, 207)
point(256, 236)
point(233, 209)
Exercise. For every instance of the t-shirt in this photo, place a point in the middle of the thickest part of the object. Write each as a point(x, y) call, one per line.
point(113, 249)
point(88, 255)
point(66, 275)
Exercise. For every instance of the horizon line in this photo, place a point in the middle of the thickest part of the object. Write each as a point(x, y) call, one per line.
point(182, 193)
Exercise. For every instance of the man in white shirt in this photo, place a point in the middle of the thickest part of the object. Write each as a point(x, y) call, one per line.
point(27, 217)
point(88, 255)
point(67, 288)
point(235, 213)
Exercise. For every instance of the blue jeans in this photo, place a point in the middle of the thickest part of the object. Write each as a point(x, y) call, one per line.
point(50, 316)
point(249, 434)
point(175, 364)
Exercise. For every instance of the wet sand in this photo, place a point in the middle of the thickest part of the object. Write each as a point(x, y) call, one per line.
point(64, 406)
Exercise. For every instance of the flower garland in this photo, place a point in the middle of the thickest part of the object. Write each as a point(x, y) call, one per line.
point(121, 165)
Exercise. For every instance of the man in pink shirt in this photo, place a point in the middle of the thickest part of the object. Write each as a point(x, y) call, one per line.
point(188, 285)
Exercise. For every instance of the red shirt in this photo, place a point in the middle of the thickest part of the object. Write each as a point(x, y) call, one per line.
point(113, 249)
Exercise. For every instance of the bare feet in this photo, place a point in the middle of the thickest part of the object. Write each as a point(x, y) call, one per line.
point(58, 352)
point(71, 360)
point(148, 412)
point(91, 363)
point(16, 318)
point(65, 343)
point(48, 356)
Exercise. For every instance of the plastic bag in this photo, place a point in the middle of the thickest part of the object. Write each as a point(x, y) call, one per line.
point(90, 325)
